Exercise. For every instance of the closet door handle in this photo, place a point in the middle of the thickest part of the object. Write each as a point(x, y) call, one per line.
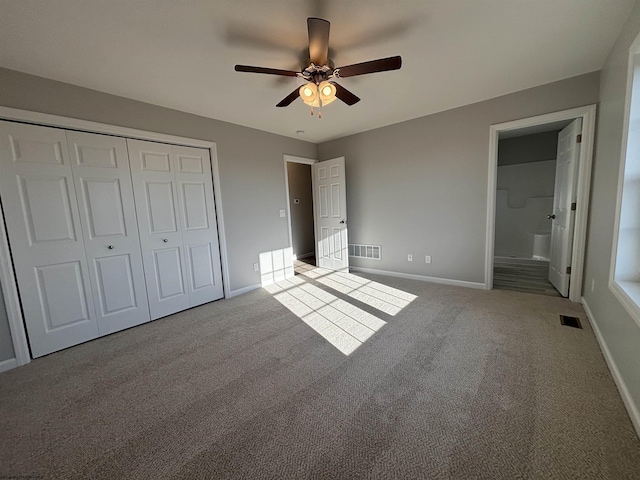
point(165, 240)
point(551, 217)
point(110, 247)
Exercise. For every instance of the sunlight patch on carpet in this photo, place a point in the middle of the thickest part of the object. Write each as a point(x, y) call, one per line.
point(342, 324)
point(377, 295)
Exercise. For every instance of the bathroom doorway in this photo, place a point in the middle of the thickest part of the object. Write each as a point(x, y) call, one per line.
point(524, 200)
point(299, 187)
point(536, 201)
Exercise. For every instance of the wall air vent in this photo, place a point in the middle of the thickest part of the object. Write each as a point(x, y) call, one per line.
point(372, 252)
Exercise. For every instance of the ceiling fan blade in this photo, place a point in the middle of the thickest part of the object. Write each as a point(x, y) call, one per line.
point(268, 71)
point(345, 95)
point(286, 101)
point(373, 66)
point(318, 40)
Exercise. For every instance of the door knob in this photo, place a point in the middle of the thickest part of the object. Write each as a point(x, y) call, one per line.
point(110, 247)
point(165, 240)
point(342, 221)
point(551, 217)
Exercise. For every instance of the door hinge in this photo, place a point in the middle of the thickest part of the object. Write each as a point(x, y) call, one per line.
point(568, 270)
point(574, 205)
point(579, 138)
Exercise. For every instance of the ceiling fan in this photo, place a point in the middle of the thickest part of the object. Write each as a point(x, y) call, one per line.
point(321, 87)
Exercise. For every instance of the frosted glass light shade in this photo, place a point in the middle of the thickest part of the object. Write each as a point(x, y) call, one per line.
point(327, 92)
point(309, 94)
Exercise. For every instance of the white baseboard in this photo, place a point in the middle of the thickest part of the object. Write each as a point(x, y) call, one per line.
point(423, 278)
point(240, 291)
point(8, 364)
point(630, 405)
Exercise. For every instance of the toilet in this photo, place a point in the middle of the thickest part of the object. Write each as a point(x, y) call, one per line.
point(541, 245)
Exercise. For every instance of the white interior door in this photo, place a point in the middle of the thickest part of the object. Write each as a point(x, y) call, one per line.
point(102, 178)
point(156, 199)
point(192, 168)
point(47, 244)
point(330, 196)
point(563, 217)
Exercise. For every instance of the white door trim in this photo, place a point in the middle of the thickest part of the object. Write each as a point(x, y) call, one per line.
point(11, 299)
point(305, 161)
point(9, 285)
point(588, 115)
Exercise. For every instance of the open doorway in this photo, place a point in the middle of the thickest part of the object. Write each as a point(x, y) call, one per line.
point(525, 187)
point(298, 175)
point(537, 205)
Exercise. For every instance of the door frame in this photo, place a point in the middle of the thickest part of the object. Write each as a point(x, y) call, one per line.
point(7, 274)
point(588, 115)
point(304, 161)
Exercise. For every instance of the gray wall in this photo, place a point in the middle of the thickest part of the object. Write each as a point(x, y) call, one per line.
point(6, 345)
point(300, 188)
point(621, 334)
point(528, 148)
point(250, 161)
point(420, 186)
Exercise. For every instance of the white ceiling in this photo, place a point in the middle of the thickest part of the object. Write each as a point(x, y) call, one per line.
point(181, 54)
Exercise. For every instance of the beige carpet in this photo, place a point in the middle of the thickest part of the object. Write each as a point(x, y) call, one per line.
point(460, 384)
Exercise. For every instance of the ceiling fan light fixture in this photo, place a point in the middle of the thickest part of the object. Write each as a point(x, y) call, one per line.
point(309, 94)
point(327, 92)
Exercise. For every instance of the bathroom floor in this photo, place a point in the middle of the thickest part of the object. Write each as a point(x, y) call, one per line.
point(522, 275)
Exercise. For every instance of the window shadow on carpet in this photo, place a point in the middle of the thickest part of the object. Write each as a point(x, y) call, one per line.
point(341, 323)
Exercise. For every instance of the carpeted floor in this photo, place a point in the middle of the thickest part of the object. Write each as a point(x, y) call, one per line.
point(459, 384)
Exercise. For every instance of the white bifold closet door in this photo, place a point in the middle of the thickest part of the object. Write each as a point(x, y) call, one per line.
point(100, 165)
point(178, 230)
point(105, 233)
point(47, 243)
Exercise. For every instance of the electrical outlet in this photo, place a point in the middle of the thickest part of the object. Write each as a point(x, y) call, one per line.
point(427, 259)
point(282, 213)
point(409, 257)
point(255, 267)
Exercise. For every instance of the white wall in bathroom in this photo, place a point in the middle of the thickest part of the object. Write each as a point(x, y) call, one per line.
point(524, 199)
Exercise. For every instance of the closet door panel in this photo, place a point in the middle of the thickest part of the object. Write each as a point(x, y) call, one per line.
point(168, 270)
point(116, 287)
point(156, 200)
point(101, 173)
point(46, 237)
point(199, 227)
